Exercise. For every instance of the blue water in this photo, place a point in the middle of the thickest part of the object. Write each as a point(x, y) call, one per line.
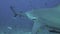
point(6, 15)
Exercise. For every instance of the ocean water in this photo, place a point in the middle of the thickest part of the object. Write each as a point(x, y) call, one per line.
point(20, 24)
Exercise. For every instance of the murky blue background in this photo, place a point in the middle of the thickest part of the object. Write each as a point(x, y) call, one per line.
point(6, 14)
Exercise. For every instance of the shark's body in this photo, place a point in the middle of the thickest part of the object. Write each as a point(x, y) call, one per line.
point(47, 16)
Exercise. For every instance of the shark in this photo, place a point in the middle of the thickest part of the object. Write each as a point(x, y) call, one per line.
point(44, 18)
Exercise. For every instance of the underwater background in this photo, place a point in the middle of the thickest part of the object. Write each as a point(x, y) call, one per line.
point(9, 25)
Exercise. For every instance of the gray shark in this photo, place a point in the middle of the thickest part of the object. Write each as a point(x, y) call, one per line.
point(43, 17)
